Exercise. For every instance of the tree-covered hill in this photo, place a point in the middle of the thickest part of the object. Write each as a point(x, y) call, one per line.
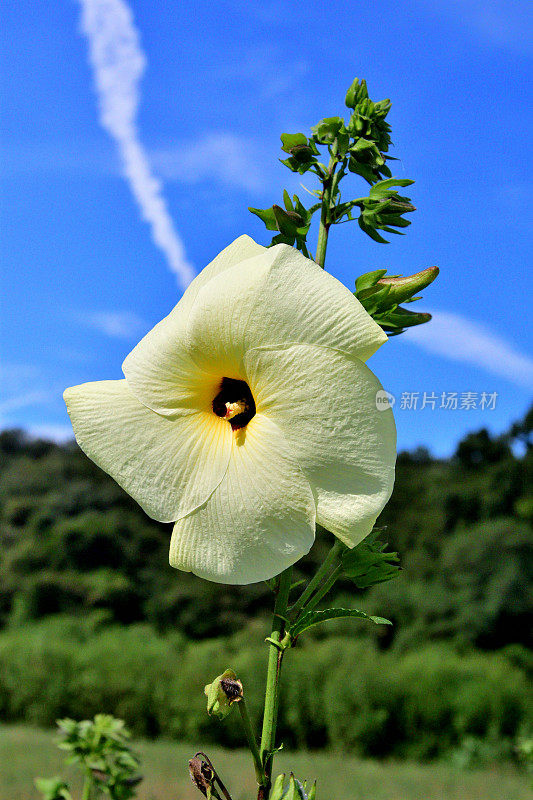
point(72, 541)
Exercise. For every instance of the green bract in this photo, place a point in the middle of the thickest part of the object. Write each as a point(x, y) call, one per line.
point(219, 698)
point(381, 295)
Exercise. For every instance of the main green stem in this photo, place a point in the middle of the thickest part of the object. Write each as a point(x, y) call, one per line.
point(325, 216)
point(275, 658)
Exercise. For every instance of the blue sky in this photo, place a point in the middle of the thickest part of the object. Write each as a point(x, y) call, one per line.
point(205, 94)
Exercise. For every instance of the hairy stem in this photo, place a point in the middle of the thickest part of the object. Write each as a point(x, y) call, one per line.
point(275, 658)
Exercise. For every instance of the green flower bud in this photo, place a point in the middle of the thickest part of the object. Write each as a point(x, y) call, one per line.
point(356, 93)
point(225, 690)
point(403, 288)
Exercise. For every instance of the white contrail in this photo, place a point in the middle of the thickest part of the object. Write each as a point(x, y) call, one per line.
point(460, 339)
point(119, 62)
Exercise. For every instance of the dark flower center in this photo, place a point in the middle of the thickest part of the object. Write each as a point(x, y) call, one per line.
point(235, 403)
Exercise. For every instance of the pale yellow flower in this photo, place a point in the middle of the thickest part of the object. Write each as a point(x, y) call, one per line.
point(247, 416)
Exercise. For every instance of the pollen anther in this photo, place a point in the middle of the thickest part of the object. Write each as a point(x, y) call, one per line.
point(232, 409)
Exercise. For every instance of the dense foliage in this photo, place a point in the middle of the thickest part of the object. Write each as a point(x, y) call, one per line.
point(94, 619)
point(72, 541)
point(342, 692)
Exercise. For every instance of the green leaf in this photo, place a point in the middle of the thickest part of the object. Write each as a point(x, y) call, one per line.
point(53, 788)
point(374, 298)
point(312, 618)
point(268, 217)
point(397, 321)
point(368, 279)
point(341, 144)
point(370, 563)
point(370, 231)
point(366, 171)
point(290, 140)
point(288, 222)
point(381, 189)
point(327, 129)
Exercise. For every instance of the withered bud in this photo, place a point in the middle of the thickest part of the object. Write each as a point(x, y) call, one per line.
point(232, 689)
point(201, 775)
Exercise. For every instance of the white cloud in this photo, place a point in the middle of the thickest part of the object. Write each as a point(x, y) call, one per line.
point(460, 339)
point(24, 400)
point(55, 433)
point(118, 63)
point(225, 157)
point(116, 324)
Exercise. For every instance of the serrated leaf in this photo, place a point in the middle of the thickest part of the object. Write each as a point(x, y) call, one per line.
point(382, 188)
point(312, 618)
point(370, 563)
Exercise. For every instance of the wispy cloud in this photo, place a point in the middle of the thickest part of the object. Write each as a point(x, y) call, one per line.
point(54, 433)
point(35, 397)
point(267, 69)
point(461, 339)
point(116, 324)
point(230, 159)
point(498, 22)
point(15, 377)
point(118, 63)
point(21, 387)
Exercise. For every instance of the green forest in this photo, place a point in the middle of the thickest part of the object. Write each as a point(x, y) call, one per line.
point(92, 618)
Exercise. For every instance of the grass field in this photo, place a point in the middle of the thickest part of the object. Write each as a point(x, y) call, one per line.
point(26, 752)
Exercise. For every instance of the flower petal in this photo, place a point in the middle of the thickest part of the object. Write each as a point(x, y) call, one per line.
point(169, 466)
point(325, 404)
point(277, 297)
point(259, 520)
point(158, 369)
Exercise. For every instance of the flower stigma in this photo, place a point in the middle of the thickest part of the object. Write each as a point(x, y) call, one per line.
point(234, 402)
